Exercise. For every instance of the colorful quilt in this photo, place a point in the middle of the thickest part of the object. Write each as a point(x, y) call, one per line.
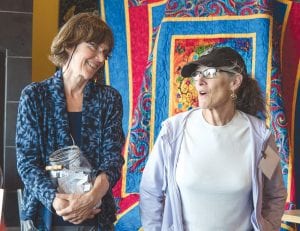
point(155, 38)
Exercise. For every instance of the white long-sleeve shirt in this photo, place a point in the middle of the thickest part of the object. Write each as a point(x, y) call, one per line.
point(214, 174)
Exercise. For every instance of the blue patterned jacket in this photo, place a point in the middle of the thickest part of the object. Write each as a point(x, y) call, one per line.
point(43, 127)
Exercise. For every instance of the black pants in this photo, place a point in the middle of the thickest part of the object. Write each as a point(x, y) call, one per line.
point(110, 227)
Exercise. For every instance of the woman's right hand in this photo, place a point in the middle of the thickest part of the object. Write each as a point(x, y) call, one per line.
point(59, 204)
point(75, 208)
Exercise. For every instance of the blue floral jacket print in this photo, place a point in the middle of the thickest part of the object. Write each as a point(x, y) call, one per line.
point(43, 127)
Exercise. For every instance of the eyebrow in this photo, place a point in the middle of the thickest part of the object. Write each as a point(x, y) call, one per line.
point(225, 70)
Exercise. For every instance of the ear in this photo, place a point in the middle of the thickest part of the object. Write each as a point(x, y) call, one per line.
point(236, 82)
point(69, 50)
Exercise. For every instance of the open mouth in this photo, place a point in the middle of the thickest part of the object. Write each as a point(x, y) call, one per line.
point(202, 93)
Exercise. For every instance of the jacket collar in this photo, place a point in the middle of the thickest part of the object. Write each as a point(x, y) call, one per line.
point(60, 114)
point(90, 110)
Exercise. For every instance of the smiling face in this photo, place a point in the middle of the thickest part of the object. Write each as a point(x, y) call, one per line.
point(86, 59)
point(214, 92)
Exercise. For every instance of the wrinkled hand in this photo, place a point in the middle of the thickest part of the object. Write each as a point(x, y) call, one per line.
point(59, 204)
point(75, 208)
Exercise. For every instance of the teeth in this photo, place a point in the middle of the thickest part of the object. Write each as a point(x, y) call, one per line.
point(92, 65)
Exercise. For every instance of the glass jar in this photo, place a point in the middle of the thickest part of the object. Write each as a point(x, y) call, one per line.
point(70, 170)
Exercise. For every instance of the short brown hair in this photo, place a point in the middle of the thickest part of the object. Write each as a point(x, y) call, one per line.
point(82, 27)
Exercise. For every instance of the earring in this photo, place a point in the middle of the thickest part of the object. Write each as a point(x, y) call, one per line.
point(99, 77)
point(95, 79)
point(233, 96)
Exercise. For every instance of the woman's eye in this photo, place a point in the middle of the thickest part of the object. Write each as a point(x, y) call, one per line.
point(92, 46)
point(206, 73)
point(209, 72)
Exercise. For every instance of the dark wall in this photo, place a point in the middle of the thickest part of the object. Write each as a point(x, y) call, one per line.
point(15, 50)
point(2, 96)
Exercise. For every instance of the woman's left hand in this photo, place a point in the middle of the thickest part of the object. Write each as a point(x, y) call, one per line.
point(84, 206)
point(80, 208)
